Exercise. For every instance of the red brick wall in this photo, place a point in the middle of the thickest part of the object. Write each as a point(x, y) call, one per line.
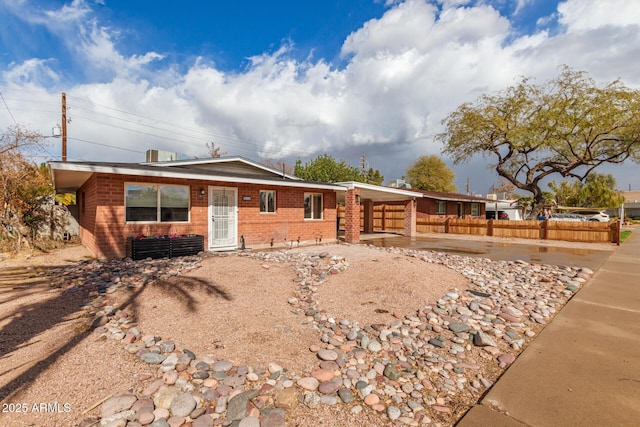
point(410, 218)
point(86, 197)
point(351, 216)
point(428, 207)
point(103, 229)
point(287, 224)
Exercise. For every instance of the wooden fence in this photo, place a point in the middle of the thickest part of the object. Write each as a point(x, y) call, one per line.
point(391, 218)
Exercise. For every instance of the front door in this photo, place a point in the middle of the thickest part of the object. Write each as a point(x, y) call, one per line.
point(223, 219)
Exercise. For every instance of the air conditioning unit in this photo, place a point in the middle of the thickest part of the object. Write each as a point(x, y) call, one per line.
point(399, 183)
point(161, 156)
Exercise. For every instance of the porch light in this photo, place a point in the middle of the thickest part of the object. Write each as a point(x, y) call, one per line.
point(202, 192)
point(357, 198)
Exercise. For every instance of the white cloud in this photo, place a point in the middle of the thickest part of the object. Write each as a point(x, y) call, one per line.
point(581, 15)
point(31, 72)
point(96, 45)
point(404, 73)
point(91, 43)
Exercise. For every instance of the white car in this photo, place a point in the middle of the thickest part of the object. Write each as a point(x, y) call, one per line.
point(600, 216)
point(572, 217)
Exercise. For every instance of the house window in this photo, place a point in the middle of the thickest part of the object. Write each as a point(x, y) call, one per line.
point(441, 207)
point(312, 206)
point(267, 201)
point(156, 203)
point(475, 209)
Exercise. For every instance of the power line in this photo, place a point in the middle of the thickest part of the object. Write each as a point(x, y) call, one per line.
point(208, 134)
point(192, 133)
point(33, 101)
point(135, 131)
point(10, 113)
point(106, 145)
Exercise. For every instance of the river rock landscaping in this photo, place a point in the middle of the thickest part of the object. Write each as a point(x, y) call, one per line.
point(426, 365)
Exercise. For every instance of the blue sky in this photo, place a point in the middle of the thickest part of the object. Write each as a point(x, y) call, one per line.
point(284, 80)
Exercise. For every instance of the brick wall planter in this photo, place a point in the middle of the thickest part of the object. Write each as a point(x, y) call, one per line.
point(164, 246)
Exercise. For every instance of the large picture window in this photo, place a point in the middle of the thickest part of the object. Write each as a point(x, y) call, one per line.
point(441, 207)
point(156, 203)
point(312, 206)
point(267, 202)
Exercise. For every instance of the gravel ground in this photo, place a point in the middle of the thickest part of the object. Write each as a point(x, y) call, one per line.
point(231, 307)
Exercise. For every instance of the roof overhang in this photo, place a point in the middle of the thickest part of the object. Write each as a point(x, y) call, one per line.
point(377, 193)
point(67, 177)
point(221, 160)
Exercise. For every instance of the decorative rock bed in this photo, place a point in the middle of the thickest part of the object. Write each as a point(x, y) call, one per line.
point(410, 371)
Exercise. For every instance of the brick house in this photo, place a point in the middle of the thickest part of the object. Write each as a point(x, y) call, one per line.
point(451, 205)
point(447, 205)
point(227, 200)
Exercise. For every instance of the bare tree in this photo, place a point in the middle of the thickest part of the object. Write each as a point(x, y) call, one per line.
point(503, 187)
point(23, 184)
point(278, 165)
point(213, 151)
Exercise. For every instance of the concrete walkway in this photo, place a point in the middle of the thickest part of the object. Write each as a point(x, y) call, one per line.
point(584, 368)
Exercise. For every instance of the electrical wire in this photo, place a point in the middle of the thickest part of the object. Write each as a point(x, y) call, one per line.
point(105, 145)
point(189, 133)
point(10, 113)
point(209, 134)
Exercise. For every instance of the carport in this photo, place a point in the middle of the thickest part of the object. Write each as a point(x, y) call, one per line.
point(367, 195)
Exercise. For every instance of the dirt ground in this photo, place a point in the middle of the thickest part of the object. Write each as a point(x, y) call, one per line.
point(238, 306)
point(232, 307)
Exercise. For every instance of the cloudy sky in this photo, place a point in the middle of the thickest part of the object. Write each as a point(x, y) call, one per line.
point(285, 79)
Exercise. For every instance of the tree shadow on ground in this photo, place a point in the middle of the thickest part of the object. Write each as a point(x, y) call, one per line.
point(182, 289)
point(22, 325)
point(65, 307)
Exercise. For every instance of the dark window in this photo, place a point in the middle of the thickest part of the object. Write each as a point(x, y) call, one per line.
point(156, 203)
point(312, 206)
point(267, 201)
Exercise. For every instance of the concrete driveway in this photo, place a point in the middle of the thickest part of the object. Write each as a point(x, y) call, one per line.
point(588, 255)
point(584, 367)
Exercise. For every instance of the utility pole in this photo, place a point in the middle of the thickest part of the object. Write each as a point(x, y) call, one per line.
point(467, 185)
point(64, 127)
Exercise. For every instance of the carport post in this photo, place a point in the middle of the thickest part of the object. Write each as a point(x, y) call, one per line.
point(352, 215)
point(410, 218)
point(368, 216)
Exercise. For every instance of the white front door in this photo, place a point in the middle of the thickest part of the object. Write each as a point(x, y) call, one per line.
point(223, 219)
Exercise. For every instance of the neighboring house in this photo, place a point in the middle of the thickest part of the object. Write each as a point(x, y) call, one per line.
point(450, 205)
point(224, 199)
point(631, 204)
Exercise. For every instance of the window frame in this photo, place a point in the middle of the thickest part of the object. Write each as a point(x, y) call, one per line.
point(475, 212)
point(312, 207)
point(158, 206)
point(441, 207)
point(275, 205)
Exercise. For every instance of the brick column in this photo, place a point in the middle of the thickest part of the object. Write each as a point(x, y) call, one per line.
point(351, 216)
point(410, 218)
point(368, 216)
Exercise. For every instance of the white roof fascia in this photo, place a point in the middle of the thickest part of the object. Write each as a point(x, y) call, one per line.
point(168, 173)
point(458, 199)
point(350, 185)
point(171, 163)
